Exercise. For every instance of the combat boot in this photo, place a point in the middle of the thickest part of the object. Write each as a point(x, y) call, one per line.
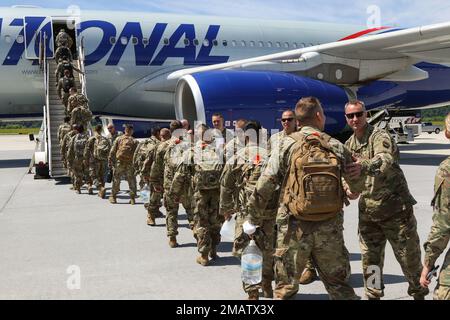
point(90, 190)
point(267, 290)
point(150, 220)
point(253, 295)
point(132, 201)
point(159, 214)
point(113, 200)
point(308, 276)
point(102, 192)
point(173, 242)
point(213, 254)
point(203, 259)
point(78, 191)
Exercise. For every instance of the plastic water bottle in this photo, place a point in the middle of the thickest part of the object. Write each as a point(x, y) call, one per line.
point(251, 264)
point(228, 229)
point(145, 194)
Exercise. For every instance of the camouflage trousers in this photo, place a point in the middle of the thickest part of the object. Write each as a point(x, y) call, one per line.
point(65, 101)
point(265, 240)
point(323, 242)
point(208, 222)
point(97, 172)
point(188, 205)
point(127, 170)
point(441, 292)
point(154, 202)
point(401, 232)
point(172, 207)
point(80, 174)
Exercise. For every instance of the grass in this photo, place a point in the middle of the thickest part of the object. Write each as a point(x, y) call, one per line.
point(19, 131)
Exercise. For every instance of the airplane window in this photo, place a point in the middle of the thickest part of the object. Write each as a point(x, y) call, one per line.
point(134, 40)
point(225, 43)
point(234, 43)
point(20, 39)
point(252, 43)
point(311, 44)
point(196, 42)
point(8, 39)
point(166, 41)
point(215, 43)
point(286, 44)
point(186, 42)
point(278, 45)
point(261, 44)
point(269, 44)
point(112, 40)
point(295, 45)
point(124, 40)
point(243, 43)
point(206, 43)
point(145, 41)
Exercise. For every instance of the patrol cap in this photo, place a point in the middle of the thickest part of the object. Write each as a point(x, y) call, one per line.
point(128, 126)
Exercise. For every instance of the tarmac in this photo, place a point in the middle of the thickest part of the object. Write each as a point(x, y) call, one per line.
point(55, 244)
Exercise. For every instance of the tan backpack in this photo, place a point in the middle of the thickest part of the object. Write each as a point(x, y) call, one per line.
point(313, 189)
point(125, 150)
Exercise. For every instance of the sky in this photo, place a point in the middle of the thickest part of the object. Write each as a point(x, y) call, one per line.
point(398, 13)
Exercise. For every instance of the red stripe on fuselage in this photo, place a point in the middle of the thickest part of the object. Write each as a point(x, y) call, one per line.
point(362, 33)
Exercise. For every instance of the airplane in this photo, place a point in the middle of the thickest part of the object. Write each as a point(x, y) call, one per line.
point(160, 66)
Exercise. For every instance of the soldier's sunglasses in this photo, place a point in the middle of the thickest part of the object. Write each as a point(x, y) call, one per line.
point(287, 119)
point(352, 115)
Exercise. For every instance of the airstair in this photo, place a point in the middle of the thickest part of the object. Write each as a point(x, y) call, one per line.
point(48, 153)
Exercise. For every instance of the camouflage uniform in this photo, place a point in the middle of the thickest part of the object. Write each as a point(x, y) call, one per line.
point(386, 211)
point(63, 40)
point(440, 231)
point(63, 129)
point(206, 208)
point(242, 173)
point(162, 174)
point(154, 202)
point(81, 115)
point(122, 169)
point(298, 240)
point(65, 146)
point(64, 84)
point(76, 160)
point(97, 167)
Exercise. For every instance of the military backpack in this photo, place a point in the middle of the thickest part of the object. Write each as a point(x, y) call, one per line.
point(208, 169)
point(101, 148)
point(313, 189)
point(125, 150)
point(79, 145)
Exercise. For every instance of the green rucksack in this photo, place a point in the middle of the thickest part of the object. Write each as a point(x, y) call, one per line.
point(101, 148)
point(79, 145)
point(208, 169)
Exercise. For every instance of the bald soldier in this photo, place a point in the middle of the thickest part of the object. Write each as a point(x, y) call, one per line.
point(386, 205)
point(440, 231)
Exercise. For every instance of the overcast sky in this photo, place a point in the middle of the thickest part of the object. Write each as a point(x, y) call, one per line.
point(402, 13)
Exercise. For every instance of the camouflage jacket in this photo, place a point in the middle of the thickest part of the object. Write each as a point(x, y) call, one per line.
point(63, 129)
point(440, 231)
point(150, 156)
point(241, 177)
point(385, 191)
point(279, 164)
point(112, 154)
point(89, 150)
point(112, 138)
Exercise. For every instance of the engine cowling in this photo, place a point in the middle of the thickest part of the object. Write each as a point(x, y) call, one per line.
point(254, 95)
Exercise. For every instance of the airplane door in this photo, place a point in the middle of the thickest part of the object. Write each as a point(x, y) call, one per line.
point(38, 29)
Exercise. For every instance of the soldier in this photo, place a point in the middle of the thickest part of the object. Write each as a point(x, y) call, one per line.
point(121, 159)
point(242, 173)
point(311, 228)
point(161, 177)
point(63, 130)
point(63, 66)
point(141, 153)
point(202, 166)
point(63, 39)
point(385, 206)
point(221, 135)
point(63, 88)
point(148, 159)
point(440, 231)
point(65, 146)
point(76, 99)
point(276, 142)
point(96, 159)
point(75, 157)
point(63, 53)
point(80, 114)
point(113, 133)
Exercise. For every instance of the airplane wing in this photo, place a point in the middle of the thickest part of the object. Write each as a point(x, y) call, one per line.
point(390, 55)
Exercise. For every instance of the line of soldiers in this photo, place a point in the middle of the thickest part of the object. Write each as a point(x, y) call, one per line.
point(280, 189)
